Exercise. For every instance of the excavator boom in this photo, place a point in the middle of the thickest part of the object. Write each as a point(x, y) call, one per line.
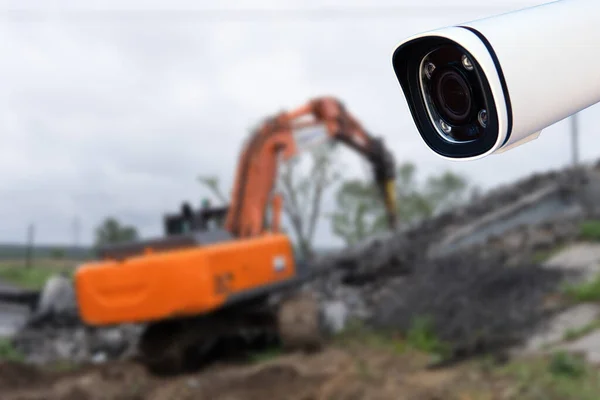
point(285, 136)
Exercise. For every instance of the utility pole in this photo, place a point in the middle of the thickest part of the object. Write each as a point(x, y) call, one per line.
point(575, 139)
point(29, 249)
point(73, 253)
point(76, 231)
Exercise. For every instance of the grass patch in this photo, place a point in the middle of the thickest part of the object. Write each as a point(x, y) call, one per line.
point(565, 365)
point(8, 352)
point(33, 277)
point(422, 336)
point(562, 376)
point(358, 333)
point(584, 292)
point(541, 256)
point(267, 355)
point(63, 366)
point(590, 230)
point(574, 334)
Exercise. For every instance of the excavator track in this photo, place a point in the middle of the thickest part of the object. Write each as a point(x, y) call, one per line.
point(174, 346)
point(182, 345)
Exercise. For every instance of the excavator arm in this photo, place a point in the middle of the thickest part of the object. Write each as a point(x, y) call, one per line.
point(285, 136)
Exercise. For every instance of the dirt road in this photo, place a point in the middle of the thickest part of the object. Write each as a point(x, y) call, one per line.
point(339, 372)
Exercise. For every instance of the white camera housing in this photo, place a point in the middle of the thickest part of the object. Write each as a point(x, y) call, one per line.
point(490, 85)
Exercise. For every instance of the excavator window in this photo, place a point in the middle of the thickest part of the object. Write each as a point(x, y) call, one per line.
point(187, 220)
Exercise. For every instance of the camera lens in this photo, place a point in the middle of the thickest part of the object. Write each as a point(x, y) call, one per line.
point(451, 87)
point(452, 97)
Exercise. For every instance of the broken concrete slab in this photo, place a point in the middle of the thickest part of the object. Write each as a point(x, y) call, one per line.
point(546, 204)
point(581, 262)
point(554, 331)
point(588, 345)
point(581, 258)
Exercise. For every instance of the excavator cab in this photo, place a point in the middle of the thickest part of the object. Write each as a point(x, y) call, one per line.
point(186, 229)
point(207, 218)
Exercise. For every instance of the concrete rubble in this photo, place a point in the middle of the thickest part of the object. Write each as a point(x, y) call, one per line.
point(469, 269)
point(572, 323)
point(54, 331)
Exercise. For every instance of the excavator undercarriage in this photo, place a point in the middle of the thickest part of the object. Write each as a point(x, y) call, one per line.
point(276, 313)
point(179, 345)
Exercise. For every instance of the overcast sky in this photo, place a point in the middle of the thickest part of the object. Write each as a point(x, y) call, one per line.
point(116, 113)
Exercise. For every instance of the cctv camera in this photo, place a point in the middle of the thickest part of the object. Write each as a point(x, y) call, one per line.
point(490, 85)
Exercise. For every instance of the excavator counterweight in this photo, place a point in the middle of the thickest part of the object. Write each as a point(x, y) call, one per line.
point(186, 282)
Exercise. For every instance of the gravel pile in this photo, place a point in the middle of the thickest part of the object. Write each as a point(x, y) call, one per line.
point(473, 305)
point(483, 297)
point(475, 302)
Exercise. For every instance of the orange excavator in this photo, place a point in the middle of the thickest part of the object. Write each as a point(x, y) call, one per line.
point(197, 285)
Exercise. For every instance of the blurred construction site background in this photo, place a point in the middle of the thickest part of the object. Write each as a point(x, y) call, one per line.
point(116, 114)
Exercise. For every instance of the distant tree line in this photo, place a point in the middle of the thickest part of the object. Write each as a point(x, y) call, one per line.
point(360, 212)
point(111, 231)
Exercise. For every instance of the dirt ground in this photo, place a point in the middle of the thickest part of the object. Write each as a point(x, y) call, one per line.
point(337, 373)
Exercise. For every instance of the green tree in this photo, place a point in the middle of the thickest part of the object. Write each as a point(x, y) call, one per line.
point(111, 231)
point(360, 212)
point(303, 194)
point(58, 253)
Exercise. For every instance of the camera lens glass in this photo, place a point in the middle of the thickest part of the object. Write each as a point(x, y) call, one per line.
point(453, 94)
